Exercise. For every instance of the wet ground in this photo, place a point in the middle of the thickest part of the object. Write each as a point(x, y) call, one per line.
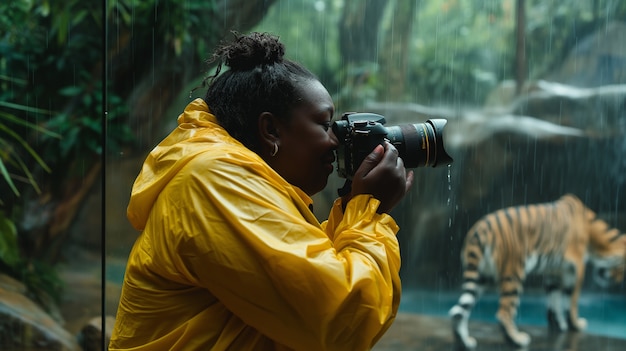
point(431, 333)
point(605, 312)
point(422, 323)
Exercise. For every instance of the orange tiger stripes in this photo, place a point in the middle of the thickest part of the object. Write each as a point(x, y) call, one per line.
point(553, 239)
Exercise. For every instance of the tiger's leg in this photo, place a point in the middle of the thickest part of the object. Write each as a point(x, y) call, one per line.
point(510, 290)
point(573, 277)
point(555, 307)
point(460, 313)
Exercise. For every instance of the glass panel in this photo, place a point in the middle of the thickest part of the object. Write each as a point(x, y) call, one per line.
point(532, 94)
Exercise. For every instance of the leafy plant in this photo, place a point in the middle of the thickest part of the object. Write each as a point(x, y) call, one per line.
point(11, 142)
point(50, 119)
point(41, 279)
point(9, 250)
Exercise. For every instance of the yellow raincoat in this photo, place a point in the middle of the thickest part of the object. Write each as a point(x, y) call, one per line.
point(231, 257)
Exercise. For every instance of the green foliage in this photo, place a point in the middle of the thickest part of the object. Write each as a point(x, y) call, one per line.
point(51, 63)
point(12, 12)
point(462, 49)
point(45, 47)
point(174, 22)
point(9, 140)
point(554, 27)
point(9, 250)
point(13, 166)
point(42, 280)
point(82, 133)
point(310, 35)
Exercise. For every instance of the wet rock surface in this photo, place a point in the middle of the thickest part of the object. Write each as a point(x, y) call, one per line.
point(426, 333)
point(24, 325)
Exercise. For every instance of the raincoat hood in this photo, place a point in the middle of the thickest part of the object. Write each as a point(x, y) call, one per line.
point(198, 131)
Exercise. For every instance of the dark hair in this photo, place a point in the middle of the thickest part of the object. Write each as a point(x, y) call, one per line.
point(259, 80)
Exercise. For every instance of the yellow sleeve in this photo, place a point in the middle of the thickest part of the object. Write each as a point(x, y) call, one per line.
point(255, 252)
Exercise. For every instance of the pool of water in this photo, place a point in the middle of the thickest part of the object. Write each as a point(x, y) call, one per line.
point(605, 313)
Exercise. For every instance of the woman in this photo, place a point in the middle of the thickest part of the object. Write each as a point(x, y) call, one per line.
point(230, 256)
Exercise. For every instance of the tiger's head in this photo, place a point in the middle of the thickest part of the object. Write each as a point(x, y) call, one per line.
point(608, 271)
point(608, 252)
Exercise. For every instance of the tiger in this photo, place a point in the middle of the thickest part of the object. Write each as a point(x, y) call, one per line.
point(553, 239)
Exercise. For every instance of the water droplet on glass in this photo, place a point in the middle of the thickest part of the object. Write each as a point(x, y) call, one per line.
point(449, 184)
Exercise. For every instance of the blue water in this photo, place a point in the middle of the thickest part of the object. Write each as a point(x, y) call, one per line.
point(605, 314)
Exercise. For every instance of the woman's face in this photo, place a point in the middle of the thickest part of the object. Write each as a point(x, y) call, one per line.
point(307, 145)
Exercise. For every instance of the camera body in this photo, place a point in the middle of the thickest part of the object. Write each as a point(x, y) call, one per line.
point(419, 144)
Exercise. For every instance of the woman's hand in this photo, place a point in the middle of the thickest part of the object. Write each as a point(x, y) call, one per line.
point(382, 174)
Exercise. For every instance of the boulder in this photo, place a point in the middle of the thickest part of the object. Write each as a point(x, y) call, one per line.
point(24, 325)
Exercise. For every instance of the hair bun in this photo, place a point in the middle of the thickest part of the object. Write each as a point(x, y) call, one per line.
point(252, 50)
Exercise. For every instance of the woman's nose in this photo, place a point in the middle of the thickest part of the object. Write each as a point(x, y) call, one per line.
point(333, 138)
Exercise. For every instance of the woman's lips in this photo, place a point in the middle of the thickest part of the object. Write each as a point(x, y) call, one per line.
point(329, 164)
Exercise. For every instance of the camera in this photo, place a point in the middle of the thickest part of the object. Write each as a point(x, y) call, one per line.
point(418, 144)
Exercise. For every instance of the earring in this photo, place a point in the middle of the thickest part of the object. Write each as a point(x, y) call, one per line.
point(274, 150)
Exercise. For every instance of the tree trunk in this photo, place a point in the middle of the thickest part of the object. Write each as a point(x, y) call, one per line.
point(358, 30)
point(358, 40)
point(520, 54)
point(394, 60)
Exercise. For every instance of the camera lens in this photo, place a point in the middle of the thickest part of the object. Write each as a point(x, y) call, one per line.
point(420, 144)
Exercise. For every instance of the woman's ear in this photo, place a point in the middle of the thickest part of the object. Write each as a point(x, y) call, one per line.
point(268, 130)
